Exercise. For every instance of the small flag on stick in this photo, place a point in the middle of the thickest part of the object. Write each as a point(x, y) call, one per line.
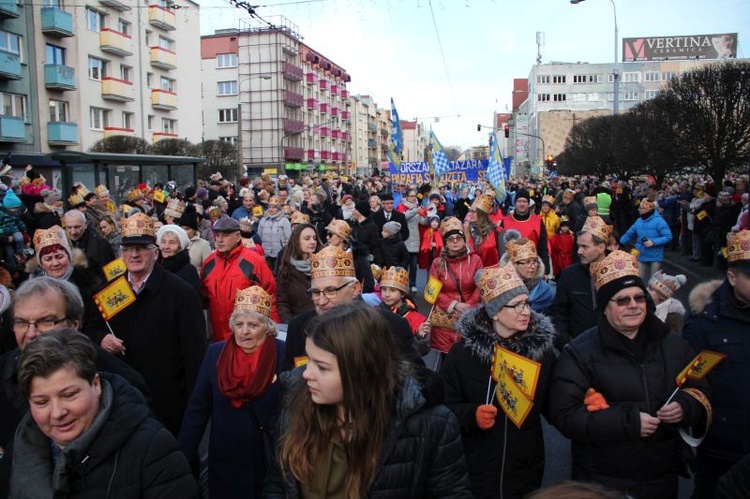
point(432, 290)
point(113, 299)
point(114, 269)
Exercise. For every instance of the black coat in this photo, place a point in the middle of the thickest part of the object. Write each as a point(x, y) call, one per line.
point(98, 250)
point(504, 458)
point(607, 446)
point(420, 458)
point(366, 235)
point(131, 456)
point(392, 253)
point(89, 283)
point(291, 293)
point(573, 310)
point(164, 333)
point(180, 266)
point(379, 218)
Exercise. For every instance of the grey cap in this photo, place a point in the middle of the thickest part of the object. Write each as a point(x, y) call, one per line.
point(226, 224)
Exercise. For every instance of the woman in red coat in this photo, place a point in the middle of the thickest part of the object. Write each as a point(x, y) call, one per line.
point(482, 232)
point(455, 268)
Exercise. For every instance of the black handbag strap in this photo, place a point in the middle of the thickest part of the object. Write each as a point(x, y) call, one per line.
point(455, 281)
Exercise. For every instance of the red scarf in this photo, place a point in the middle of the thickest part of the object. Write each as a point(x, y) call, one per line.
point(243, 377)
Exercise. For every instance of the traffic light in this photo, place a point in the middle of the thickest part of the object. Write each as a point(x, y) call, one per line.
point(550, 158)
point(506, 129)
point(479, 128)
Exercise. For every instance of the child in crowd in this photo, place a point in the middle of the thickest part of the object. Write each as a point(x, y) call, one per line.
point(394, 291)
point(393, 252)
point(431, 243)
point(562, 244)
point(12, 229)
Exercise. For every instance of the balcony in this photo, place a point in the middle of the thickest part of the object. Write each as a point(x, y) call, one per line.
point(323, 108)
point(8, 9)
point(372, 127)
point(345, 115)
point(334, 89)
point(115, 42)
point(335, 134)
point(325, 155)
point(161, 18)
point(373, 160)
point(293, 126)
point(117, 90)
point(311, 78)
point(345, 135)
point(372, 143)
point(325, 131)
point(115, 4)
point(163, 100)
point(59, 77)
point(163, 58)
point(293, 99)
point(61, 133)
point(323, 84)
point(292, 72)
point(338, 156)
point(57, 22)
point(111, 131)
point(344, 93)
point(10, 66)
point(294, 153)
point(163, 135)
point(312, 104)
point(12, 129)
point(310, 154)
point(334, 111)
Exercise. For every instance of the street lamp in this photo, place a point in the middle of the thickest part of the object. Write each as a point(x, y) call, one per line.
point(615, 72)
point(239, 117)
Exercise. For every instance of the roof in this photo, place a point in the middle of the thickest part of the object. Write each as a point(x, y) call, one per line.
point(122, 159)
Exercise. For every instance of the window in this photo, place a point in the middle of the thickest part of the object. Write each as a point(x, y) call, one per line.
point(542, 97)
point(166, 4)
point(226, 60)
point(610, 78)
point(150, 121)
point(55, 55)
point(168, 126)
point(128, 120)
point(587, 78)
point(94, 19)
point(166, 84)
point(228, 87)
point(52, 3)
point(578, 97)
point(10, 42)
point(228, 115)
point(594, 97)
point(667, 76)
point(166, 43)
point(558, 79)
point(631, 77)
point(542, 79)
point(630, 96)
point(148, 38)
point(149, 77)
point(126, 73)
point(559, 97)
point(13, 105)
point(651, 76)
point(58, 111)
point(123, 26)
point(97, 68)
point(99, 118)
point(232, 140)
point(650, 94)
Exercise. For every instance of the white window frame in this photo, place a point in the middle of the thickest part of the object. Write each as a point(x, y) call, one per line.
point(13, 105)
point(559, 79)
point(543, 79)
point(99, 118)
point(97, 68)
point(559, 97)
point(650, 94)
point(631, 77)
point(231, 139)
point(167, 84)
point(61, 111)
point(630, 95)
point(7, 44)
point(228, 60)
point(168, 126)
point(652, 76)
point(126, 72)
point(227, 115)
point(94, 20)
point(128, 120)
point(543, 97)
point(150, 122)
point(123, 26)
point(166, 43)
point(228, 87)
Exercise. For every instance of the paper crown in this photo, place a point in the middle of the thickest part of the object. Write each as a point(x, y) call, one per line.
point(548, 199)
point(597, 227)
point(214, 212)
point(339, 228)
point(646, 204)
point(274, 200)
point(101, 191)
point(332, 261)
point(483, 202)
point(44, 238)
point(216, 177)
point(519, 251)
point(253, 299)
point(395, 277)
point(451, 224)
point(495, 281)
point(75, 200)
point(616, 265)
point(135, 194)
point(666, 284)
point(299, 218)
point(738, 246)
point(175, 208)
point(589, 200)
point(138, 228)
point(246, 225)
point(81, 189)
point(377, 271)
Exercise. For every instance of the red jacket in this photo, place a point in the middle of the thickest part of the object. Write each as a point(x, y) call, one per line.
point(223, 276)
point(562, 251)
point(427, 237)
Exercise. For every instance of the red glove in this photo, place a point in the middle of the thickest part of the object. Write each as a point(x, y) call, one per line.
point(486, 416)
point(595, 401)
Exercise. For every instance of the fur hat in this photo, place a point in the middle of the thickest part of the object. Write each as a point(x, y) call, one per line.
point(665, 284)
point(50, 196)
point(173, 229)
point(498, 286)
point(363, 207)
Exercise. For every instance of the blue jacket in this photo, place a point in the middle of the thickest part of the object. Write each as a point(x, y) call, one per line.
point(671, 209)
point(653, 228)
point(236, 460)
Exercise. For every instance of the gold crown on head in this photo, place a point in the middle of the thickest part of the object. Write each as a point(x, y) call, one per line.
point(548, 199)
point(395, 277)
point(376, 270)
point(138, 225)
point(101, 191)
point(665, 284)
point(274, 200)
point(299, 218)
point(451, 224)
point(75, 199)
point(738, 246)
point(81, 189)
point(589, 200)
point(246, 225)
point(616, 265)
point(339, 228)
point(597, 227)
point(519, 251)
point(135, 194)
point(253, 299)
point(175, 208)
point(44, 238)
point(331, 261)
point(483, 202)
point(495, 281)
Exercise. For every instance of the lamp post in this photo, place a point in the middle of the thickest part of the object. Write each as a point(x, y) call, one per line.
point(615, 72)
point(239, 118)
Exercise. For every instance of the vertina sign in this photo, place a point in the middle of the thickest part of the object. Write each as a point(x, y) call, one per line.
point(667, 48)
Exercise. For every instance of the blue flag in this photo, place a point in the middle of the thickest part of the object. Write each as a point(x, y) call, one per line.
point(439, 159)
point(496, 170)
point(393, 157)
point(398, 135)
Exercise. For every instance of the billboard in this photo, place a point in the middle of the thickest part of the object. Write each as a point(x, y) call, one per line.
point(671, 48)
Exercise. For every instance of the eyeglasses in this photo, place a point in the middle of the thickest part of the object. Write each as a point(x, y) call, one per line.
point(520, 306)
point(528, 263)
point(624, 301)
point(42, 325)
point(455, 238)
point(329, 293)
point(137, 249)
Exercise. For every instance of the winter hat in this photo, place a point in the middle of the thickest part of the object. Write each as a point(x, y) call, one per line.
point(11, 201)
point(176, 230)
point(201, 193)
point(189, 192)
point(523, 193)
point(392, 227)
point(619, 270)
point(51, 196)
point(363, 207)
point(345, 198)
point(665, 284)
point(190, 217)
point(435, 196)
point(498, 286)
point(433, 218)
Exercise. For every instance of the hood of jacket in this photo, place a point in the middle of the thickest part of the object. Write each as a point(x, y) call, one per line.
point(479, 336)
point(702, 294)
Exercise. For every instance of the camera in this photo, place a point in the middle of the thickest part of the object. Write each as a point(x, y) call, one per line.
point(644, 239)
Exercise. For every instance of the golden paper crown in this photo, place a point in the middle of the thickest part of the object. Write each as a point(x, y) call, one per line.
point(395, 277)
point(274, 200)
point(376, 270)
point(589, 200)
point(616, 265)
point(483, 202)
point(597, 227)
point(101, 191)
point(548, 199)
point(339, 228)
point(81, 189)
point(299, 218)
point(139, 225)
point(214, 212)
point(175, 208)
point(646, 204)
point(519, 251)
point(665, 284)
point(253, 299)
point(738, 246)
point(246, 225)
point(135, 194)
point(75, 199)
point(44, 238)
point(451, 224)
point(216, 177)
point(495, 281)
point(331, 262)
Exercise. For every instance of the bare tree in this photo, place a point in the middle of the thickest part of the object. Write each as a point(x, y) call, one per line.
point(173, 147)
point(122, 144)
point(220, 156)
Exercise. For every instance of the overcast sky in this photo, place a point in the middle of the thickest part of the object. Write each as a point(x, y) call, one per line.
point(391, 48)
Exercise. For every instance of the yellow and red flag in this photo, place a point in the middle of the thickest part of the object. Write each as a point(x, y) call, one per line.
point(159, 196)
point(699, 366)
point(114, 298)
point(432, 290)
point(114, 269)
point(513, 401)
point(520, 370)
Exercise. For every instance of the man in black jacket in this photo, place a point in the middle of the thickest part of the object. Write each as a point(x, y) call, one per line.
point(388, 214)
point(98, 251)
point(365, 233)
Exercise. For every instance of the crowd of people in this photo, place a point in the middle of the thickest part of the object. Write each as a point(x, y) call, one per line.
point(285, 316)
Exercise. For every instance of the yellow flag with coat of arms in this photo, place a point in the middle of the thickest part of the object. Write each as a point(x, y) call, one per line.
point(432, 290)
point(113, 299)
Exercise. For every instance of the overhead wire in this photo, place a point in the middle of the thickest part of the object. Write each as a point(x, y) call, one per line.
point(442, 55)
